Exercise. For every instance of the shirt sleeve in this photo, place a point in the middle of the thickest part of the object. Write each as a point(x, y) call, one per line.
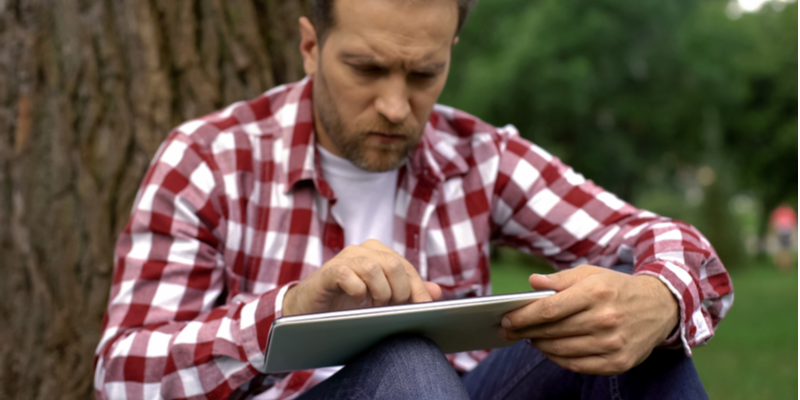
point(543, 207)
point(168, 331)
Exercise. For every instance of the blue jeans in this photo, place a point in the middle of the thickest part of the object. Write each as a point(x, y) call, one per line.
point(413, 367)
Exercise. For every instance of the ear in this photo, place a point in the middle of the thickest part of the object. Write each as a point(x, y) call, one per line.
point(455, 41)
point(309, 46)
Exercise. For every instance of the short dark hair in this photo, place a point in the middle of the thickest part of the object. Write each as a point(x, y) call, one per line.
point(322, 15)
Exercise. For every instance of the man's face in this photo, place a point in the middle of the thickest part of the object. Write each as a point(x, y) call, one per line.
point(378, 75)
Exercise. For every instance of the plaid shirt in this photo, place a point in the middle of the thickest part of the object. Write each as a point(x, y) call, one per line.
point(234, 209)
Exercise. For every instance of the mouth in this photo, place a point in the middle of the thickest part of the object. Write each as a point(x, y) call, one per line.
point(384, 137)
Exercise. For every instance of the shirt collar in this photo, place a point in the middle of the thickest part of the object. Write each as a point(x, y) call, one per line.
point(436, 155)
point(300, 160)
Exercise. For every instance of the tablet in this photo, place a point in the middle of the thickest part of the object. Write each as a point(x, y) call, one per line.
point(335, 338)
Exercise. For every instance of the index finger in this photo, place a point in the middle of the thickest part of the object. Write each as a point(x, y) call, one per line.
point(374, 244)
point(551, 308)
point(418, 292)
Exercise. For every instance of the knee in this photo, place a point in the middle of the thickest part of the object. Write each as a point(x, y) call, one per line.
point(415, 366)
point(668, 373)
point(410, 352)
point(409, 343)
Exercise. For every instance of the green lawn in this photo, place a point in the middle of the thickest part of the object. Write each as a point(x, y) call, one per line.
point(753, 355)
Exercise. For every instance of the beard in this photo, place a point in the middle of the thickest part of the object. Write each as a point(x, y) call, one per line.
point(353, 139)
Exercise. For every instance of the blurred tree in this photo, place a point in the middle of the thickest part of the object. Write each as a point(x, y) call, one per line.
point(627, 91)
point(763, 134)
point(88, 90)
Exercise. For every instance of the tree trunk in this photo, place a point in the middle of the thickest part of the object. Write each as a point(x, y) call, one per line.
point(88, 90)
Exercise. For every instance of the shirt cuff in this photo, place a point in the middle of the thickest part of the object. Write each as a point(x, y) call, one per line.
point(255, 324)
point(280, 296)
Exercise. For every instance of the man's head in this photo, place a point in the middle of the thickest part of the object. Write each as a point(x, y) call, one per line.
point(323, 17)
point(379, 66)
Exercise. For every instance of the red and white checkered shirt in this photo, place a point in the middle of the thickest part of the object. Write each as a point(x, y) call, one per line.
point(234, 208)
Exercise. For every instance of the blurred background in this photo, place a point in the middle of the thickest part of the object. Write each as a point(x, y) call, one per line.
point(686, 108)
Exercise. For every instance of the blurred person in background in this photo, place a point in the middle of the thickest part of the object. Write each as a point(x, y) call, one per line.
point(351, 188)
point(783, 236)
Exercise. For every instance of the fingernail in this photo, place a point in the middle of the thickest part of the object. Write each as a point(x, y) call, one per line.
point(506, 323)
point(541, 276)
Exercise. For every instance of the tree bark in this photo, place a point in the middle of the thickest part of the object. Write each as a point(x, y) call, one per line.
point(88, 90)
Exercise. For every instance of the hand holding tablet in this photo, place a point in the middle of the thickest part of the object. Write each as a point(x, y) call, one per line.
point(335, 338)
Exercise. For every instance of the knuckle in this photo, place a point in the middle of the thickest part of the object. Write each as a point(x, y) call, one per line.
point(395, 265)
point(558, 277)
point(360, 292)
point(374, 244)
point(548, 309)
point(558, 347)
point(614, 343)
point(619, 364)
point(382, 297)
point(573, 366)
point(411, 272)
point(609, 319)
point(602, 292)
point(585, 269)
point(372, 268)
point(550, 331)
point(400, 297)
point(340, 272)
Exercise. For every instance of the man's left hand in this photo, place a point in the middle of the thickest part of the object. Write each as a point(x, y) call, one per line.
point(600, 322)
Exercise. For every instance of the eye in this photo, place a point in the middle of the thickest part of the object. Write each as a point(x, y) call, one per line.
point(366, 69)
point(422, 79)
point(423, 75)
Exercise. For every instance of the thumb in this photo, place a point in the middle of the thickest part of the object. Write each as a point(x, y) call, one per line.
point(434, 290)
point(563, 279)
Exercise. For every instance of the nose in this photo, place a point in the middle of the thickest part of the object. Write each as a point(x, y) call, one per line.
point(393, 100)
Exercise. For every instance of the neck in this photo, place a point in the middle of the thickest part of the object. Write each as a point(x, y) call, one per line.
point(320, 134)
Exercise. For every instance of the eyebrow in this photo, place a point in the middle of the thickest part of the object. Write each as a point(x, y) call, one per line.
point(368, 59)
point(432, 68)
point(358, 58)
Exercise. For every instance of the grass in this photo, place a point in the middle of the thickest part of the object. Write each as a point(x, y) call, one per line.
point(754, 353)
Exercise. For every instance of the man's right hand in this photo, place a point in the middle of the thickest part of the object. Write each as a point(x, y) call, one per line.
point(360, 276)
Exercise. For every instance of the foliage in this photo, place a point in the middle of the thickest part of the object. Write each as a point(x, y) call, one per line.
point(639, 95)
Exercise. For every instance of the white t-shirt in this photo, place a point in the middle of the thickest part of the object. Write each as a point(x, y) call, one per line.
point(364, 207)
point(365, 200)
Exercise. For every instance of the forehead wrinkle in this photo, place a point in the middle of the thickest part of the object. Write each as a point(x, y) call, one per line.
point(408, 56)
point(424, 36)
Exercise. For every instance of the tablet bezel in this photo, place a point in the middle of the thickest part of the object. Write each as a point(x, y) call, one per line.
point(430, 319)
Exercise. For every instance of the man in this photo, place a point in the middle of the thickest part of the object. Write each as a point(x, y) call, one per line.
point(351, 189)
point(783, 225)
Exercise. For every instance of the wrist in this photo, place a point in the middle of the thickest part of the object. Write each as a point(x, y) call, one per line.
point(288, 302)
point(666, 306)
